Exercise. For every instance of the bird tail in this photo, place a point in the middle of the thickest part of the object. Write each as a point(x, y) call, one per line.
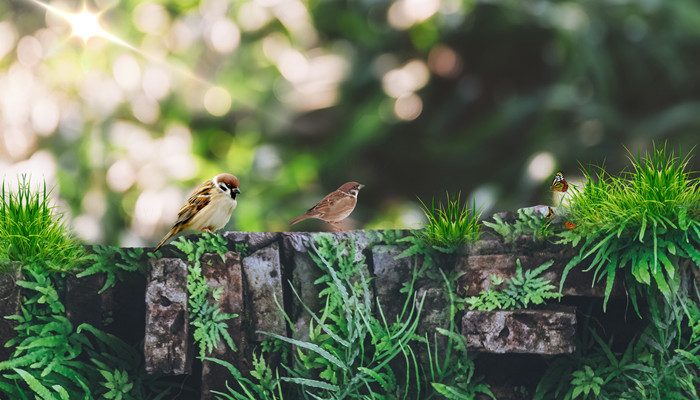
point(299, 218)
point(168, 236)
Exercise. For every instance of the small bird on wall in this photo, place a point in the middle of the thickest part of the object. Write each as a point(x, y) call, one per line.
point(208, 208)
point(335, 207)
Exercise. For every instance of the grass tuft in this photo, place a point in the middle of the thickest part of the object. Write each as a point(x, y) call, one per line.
point(32, 231)
point(450, 226)
point(656, 190)
point(642, 222)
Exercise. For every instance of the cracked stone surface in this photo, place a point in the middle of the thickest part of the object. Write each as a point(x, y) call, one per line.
point(389, 277)
point(166, 343)
point(10, 295)
point(262, 270)
point(295, 250)
point(226, 274)
point(478, 271)
point(84, 303)
point(254, 240)
point(521, 331)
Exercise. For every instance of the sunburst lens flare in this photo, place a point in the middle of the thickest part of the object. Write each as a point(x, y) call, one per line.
point(85, 24)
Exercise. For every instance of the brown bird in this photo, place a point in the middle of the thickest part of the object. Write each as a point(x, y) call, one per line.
point(208, 208)
point(335, 207)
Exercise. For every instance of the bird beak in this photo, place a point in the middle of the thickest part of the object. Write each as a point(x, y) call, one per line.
point(237, 190)
point(361, 186)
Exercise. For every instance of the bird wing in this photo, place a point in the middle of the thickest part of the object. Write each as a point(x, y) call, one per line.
point(199, 199)
point(323, 206)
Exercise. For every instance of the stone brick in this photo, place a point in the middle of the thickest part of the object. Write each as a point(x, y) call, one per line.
point(226, 274)
point(389, 277)
point(521, 331)
point(84, 303)
point(254, 240)
point(478, 271)
point(262, 270)
point(10, 296)
point(296, 247)
point(296, 258)
point(166, 343)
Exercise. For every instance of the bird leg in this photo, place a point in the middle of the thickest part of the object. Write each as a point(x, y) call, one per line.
point(206, 229)
point(336, 226)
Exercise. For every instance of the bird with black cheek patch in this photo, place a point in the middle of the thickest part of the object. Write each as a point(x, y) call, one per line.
point(335, 207)
point(208, 208)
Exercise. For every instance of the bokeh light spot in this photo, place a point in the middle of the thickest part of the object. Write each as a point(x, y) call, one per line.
point(8, 36)
point(127, 72)
point(29, 51)
point(444, 61)
point(541, 166)
point(404, 13)
point(406, 79)
point(156, 82)
point(145, 109)
point(224, 35)
point(151, 18)
point(217, 101)
point(408, 107)
point(45, 116)
point(121, 176)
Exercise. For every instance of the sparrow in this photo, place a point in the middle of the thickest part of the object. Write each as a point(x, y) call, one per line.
point(559, 184)
point(208, 208)
point(335, 207)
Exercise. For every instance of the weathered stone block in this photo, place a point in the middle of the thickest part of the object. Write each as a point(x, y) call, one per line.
point(389, 277)
point(166, 343)
point(10, 299)
point(254, 240)
point(295, 250)
point(295, 258)
point(263, 273)
point(521, 331)
point(226, 274)
point(84, 303)
point(486, 246)
point(478, 271)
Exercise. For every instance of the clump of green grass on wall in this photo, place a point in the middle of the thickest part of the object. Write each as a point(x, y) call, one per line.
point(31, 230)
point(450, 226)
point(644, 222)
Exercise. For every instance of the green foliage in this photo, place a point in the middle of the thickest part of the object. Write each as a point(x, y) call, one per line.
point(527, 223)
point(660, 364)
point(210, 327)
point(266, 386)
point(520, 290)
point(118, 384)
point(644, 223)
point(351, 348)
point(452, 373)
point(206, 243)
point(54, 360)
point(116, 263)
point(241, 248)
point(450, 227)
point(387, 236)
point(32, 231)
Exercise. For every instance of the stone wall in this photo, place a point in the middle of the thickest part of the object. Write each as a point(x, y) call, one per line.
point(255, 285)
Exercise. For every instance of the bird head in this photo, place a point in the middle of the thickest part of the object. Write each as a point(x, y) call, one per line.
point(228, 184)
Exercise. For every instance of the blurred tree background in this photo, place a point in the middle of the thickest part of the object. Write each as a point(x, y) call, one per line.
point(295, 97)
